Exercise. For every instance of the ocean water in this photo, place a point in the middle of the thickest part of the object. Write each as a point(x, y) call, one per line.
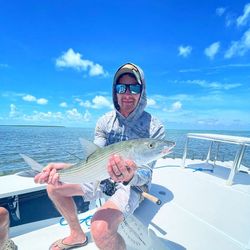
point(61, 144)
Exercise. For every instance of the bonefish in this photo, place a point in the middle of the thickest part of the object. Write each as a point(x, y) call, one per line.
point(93, 167)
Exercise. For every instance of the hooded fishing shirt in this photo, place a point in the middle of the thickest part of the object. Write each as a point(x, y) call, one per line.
point(114, 127)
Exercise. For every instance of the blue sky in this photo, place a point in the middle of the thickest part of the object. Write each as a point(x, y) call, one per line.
point(57, 60)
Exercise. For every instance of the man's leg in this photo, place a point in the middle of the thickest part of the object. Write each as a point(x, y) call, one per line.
point(4, 226)
point(107, 219)
point(104, 227)
point(62, 198)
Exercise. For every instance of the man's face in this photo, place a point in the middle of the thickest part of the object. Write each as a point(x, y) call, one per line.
point(127, 101)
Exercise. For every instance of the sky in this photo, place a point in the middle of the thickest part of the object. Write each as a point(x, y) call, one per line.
point(58, 59)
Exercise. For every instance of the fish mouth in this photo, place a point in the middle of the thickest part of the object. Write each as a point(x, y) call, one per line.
point(167, 149)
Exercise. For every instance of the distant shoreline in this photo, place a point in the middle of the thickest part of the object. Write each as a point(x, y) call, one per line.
point(169, 128)
point(48, 126)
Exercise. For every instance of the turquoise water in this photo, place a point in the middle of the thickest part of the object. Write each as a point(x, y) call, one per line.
point(54, 144)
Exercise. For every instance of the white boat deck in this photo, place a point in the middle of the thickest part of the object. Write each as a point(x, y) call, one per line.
point(198, 211)
point(11, 185)
point(242, 143)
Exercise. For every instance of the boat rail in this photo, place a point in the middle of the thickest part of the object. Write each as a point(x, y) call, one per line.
point(243, 142)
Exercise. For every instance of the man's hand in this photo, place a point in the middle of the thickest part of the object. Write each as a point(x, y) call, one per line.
point(49, 174)
point(121, 170)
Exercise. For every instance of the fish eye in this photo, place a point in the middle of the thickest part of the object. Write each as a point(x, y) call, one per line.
point(151, 145)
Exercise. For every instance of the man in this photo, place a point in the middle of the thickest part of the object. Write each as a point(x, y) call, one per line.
point(5, 242)
point(127, 121)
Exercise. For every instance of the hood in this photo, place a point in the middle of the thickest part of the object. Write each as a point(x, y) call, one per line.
point(139, 75)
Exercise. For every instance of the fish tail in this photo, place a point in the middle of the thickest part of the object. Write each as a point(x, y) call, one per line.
point(32, 163)
point(28, 173)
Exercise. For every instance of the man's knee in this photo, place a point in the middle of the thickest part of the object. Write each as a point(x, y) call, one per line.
point(4, 216)
point(100, 232)
point(104, 225)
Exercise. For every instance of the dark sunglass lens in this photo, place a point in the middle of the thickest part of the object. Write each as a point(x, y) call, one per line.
point(120, 88)
point(135, 89)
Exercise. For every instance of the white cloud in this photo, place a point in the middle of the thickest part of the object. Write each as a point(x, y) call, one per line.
point(242, 20)
point(86, 104)
point(176, 106)
point(230, 19)
point(208, 121)
point(239, 48)
point(96, 70)
point(97, 102)
point(212, 50)
point(70, 116)
point(72, 59)
point(78, 100)
point(42, 101)
point(101, 102)
point(212, 85)
point(13, 111)
point(225, 66)
point(184, 51)
point(87, 116)
point(63, 105)
point(220, 11)
point(31, 98)
point(43, 116)
point(75, 115)
point(151, 102)
point(181, 97)
point(189, 70)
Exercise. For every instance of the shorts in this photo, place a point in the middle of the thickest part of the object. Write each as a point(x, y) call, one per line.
point(125, 198)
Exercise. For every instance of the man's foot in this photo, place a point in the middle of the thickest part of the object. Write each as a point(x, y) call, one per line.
point(61, 245)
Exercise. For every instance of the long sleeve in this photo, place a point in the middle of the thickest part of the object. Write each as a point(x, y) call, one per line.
point(100, 138)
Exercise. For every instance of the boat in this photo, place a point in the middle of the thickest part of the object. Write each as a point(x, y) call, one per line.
point(205, 204)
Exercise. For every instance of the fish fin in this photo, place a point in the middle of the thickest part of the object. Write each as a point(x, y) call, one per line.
point(28, 173)
point(32, 163)
point(74, 155)
point(88, 147)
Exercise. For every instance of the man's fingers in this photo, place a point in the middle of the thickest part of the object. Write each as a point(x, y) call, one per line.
point(113, 170)
point(131, 166)
point(51, 175)
point(55, 179)
point(117, 163)
point(48, 168)
point(41, 178)
point(120, 170)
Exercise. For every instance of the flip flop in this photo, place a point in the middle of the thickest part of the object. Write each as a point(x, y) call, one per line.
point(63, 246)
point(9, 245)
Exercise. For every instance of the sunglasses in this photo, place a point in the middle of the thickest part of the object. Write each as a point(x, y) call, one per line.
point(134, 89)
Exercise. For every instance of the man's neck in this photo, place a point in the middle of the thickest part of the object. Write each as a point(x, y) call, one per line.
point(125, 114)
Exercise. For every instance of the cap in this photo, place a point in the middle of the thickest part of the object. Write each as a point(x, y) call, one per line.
point(128, 68)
